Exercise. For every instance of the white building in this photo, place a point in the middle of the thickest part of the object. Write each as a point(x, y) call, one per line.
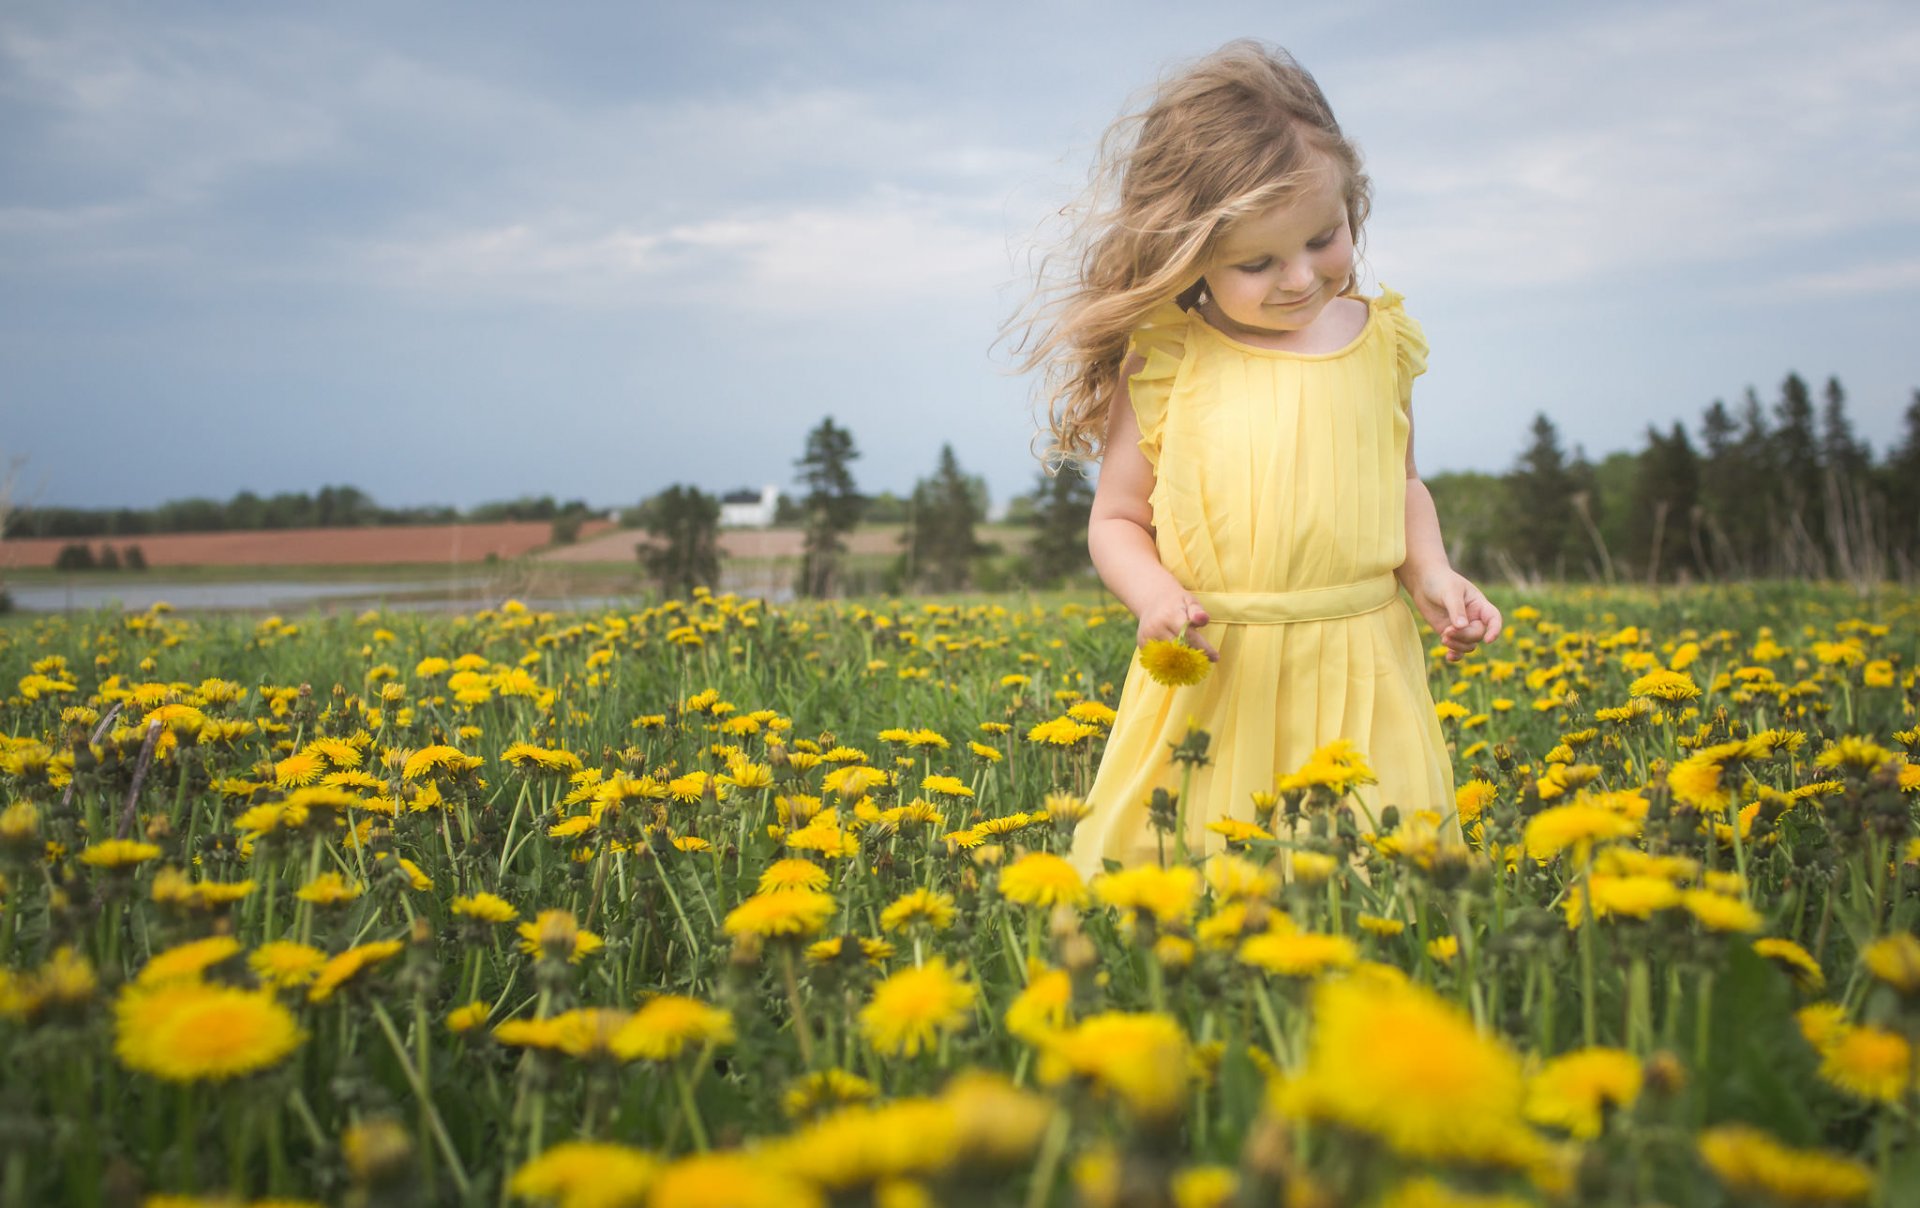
point(744, 509)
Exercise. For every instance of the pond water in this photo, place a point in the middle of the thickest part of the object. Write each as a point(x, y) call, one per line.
point(83, 593)
point(439, 595)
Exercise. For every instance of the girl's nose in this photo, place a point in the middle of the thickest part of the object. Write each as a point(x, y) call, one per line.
point(1297, 280)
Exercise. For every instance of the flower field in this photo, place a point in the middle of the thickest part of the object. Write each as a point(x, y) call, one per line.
point(722, 903)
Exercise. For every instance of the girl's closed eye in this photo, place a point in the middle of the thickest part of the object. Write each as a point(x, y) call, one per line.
point(1258, 266)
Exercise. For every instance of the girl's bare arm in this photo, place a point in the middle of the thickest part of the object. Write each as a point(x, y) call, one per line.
point(1460, 614)
point(1120, 536)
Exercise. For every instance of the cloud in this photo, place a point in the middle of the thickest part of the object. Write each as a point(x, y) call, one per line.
point(1627, 141)
point(1878, 277)
point(881, 249)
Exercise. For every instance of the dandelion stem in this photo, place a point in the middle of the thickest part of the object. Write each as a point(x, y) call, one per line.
point(690, 1109)
point(801, 1032)
point(1589, 1028)
point(1046, 1167)
point(420, 1092)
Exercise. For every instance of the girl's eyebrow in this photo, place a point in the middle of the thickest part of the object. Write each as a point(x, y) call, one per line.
point(1243, 256)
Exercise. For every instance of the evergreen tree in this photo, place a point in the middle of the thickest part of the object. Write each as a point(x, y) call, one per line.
point(939, 537)
point(1900, 485)
point(1541, 489)
point(1666, 494)
point(831, 506)
point(1854, 516)
point(1721, 484)
point(1841, 453)
point(1061, 503)
point(686, 523)
point(1798, 481)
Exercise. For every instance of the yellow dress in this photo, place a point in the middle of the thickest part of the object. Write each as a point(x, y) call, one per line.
point(1279, 501)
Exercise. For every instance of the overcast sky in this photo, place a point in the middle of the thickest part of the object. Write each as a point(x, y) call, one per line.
point(451, 252)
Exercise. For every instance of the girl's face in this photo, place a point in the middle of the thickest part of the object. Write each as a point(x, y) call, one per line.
point(1276, 271)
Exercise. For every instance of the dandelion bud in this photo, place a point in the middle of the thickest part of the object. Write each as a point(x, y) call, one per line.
point(1664, 1074)
point(1077, 953)
point(1162, 811)
point(376, 1151)
point(555, 934)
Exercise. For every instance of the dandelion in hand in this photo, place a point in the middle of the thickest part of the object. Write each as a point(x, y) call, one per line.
point(1174, 664)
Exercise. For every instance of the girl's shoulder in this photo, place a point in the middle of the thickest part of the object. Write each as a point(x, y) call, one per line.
point(1409, 339)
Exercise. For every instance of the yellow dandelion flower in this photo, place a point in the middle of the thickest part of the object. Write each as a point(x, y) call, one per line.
point(1041, 879)
point(665, 1025)
point(434, 759)
point(732, 1179)
point(1205, 1187)
point(285, 964)
point(1720, 912)
point(1852, 754)
point(1174, 664)
point(1065, 807)
point(792, 874)
point(345, 967)
point(1061, 732)
point(1662, 684)
point(330, 889)
point(1396, 1062)
point(1238, 830)
point(1574, 1091)
point(1895, 960)
point(556, 934)
point(786, 912)
point(1797, 961)
point(1139, 1059)
point(1169, 894)
point(588, 1174)
point(1575, 826)
point(911, 1008)
point(920, 906)
point(485, 907)
point(1043, 1007)
point(1299, 953)
point(188, 961)
point(1432, 1193)
point(118, 853)
point(825, 1090)
point(1638, 897)
point(462, 1020)
point(1338, 767)
point(1752, 1165)
point(190, 1031)
point(298, 769)
point(1868, 1062)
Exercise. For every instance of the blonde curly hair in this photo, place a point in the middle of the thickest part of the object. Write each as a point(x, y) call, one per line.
point(1227, 136)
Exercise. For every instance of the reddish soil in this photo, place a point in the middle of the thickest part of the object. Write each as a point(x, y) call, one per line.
point(617, 546)
point(426, 543)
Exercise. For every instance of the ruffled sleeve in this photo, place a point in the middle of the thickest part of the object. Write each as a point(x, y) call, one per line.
point(1161, 343)
point(1409, 342)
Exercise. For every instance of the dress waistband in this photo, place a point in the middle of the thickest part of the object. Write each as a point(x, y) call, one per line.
point(1288, 607)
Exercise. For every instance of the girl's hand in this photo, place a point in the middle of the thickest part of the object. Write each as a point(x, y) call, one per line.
point(1167, 616)
point(1462, 616)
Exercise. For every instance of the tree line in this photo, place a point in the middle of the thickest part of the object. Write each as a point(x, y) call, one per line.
point(329, 507)
point(940, 547)
point(1783, 488)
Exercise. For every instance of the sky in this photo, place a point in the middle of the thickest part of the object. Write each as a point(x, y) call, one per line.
point(458, 252)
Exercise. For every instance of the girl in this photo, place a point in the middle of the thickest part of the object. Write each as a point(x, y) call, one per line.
point(1257, 495)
